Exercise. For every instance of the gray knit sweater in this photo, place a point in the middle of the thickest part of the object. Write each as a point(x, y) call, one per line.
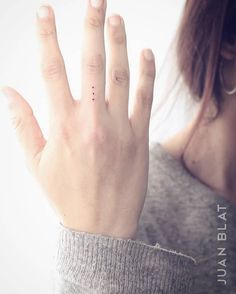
point(186, 242)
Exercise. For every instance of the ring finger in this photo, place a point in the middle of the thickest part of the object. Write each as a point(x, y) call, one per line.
point(118, 69)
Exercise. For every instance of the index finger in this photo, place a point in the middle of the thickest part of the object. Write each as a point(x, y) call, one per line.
point(52, 63)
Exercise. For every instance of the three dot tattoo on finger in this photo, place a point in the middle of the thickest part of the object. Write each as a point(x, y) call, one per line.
point(93, 89)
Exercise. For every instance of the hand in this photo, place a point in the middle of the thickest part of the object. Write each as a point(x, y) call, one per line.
point(94, 165)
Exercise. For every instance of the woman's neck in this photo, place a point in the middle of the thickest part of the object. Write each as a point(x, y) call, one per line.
point(211, 155)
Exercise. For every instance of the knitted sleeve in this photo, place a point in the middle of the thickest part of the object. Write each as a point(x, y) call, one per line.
point(90, 263)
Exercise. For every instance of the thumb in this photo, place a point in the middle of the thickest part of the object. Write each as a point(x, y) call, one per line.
point(25, 124)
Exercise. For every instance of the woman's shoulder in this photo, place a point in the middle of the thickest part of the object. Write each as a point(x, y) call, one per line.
point(168, 176)
point(164, 165)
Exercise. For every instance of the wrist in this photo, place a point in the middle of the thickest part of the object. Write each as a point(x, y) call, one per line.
point(123, 232)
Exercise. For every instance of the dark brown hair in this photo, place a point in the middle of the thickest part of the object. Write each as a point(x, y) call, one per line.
point(205, 25)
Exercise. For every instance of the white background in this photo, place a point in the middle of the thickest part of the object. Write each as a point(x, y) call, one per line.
point(27, 223)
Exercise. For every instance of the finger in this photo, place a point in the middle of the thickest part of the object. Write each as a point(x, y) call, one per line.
point(53, 67)
point(118, 69)
point(141, 112)
point(93, 56)
point(25, 124)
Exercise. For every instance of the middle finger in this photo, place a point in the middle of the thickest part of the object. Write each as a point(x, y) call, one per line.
point(93, 56)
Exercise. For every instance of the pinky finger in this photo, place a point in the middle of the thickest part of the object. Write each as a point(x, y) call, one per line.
point(141, 111)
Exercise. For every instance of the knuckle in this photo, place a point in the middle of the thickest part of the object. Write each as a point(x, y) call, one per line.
point(63, 131)
point(17, 122)
point(96, 136)
point(53, 69)
point(144, 98)
point(65, 134)
point(95, 64)
point(128, 144)
point(46, 32)
point(149, 71)
point(93, 22)
point(120, 77)
point(118, 37)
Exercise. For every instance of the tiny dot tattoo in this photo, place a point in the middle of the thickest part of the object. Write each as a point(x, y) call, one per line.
point(93, 92)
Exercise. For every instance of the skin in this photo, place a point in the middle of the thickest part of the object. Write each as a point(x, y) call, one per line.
point(211, 156)
point(93, 167)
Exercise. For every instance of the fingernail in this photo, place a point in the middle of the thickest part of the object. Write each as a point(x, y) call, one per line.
point(148, 54)
point(115, 20)
point(43, 12)
point(96, 3)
